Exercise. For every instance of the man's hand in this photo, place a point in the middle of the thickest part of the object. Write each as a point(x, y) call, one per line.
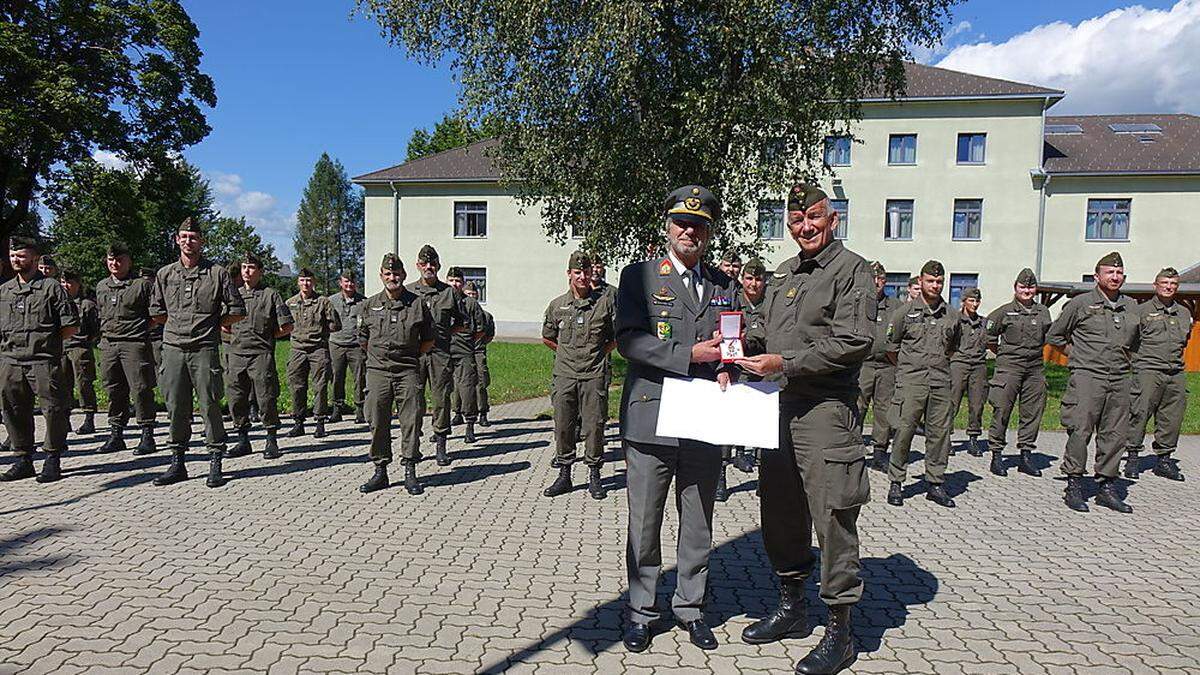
point(707, 351)
point(763, 364)
point(723, 379)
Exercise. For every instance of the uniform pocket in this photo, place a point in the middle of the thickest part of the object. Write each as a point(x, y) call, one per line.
point(1070, 401)
point(846, 482)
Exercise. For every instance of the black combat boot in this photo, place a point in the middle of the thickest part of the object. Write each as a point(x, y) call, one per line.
point(469, 436)
point(895, 495)
point(215, 478)
point(1073, 494)
point(178, 471)
point(410, 479)
point(880, 461)
point(789, 620)
point(1107, 497)
point(20, 470)
point(722, 487)
point(1132, 471)
point(242, 447)
point(297, 429)
point(1025, 465)
point(336, 415)
point(378, 481)
point(483, 420)
point(271, 449)
point(443, 459)
point(115, 442)
point(359, 417)
point(595, 487)
point(1168, 467)
point(974, 447)
point(146, 445)
point(51, 468)
point(836, 650)
point(743, 460)
point(88, 426)
point(254, 416)
point(997, 466)
point(319, 432)
point(936, 493)
point(457, 420)
point(561, 485)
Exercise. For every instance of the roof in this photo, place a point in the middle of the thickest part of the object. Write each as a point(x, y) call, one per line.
point(470, 163)
point(930, 82)
point(1190, 275)
point(1097, 149)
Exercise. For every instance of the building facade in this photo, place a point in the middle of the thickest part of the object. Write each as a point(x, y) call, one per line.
point(969, 170)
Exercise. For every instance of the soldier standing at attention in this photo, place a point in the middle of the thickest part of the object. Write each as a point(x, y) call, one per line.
point(600, 285)
point(968, 369)
point(1097, 330)
point(441, 301)
point(481, 362)
point(667, 311)
point(194, 297)
point(251, 368)
point(35, 317)
point(1016, 333)
point(126, 360)
point(914, 289)
point(345, 351)
point(578, 327)
point(921, 337)
point(314, 322)
point(462, 353)
point(79, 363)
point(156, 328)
point(396, 329)
point(1160, 385)
point(819, 325)
point(877, 379)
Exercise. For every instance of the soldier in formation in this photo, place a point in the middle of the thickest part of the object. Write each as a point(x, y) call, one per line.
point(436, 364)
point(79, 361)
point(483, 375)
point(968, 368)
point(346, 354)
point(877, 378)
point(462, 353)
point(314, 321)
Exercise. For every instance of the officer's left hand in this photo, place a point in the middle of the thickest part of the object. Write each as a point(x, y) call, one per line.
point(763, 364)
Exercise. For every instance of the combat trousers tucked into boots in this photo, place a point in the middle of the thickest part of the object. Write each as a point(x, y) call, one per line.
point(188, 372)
point(970, 380)
point(1163, 396)
point(301, 365)
point(1095, 404)
point(1008, 387)
point(127, 368)
point(253, 376)
point(878, 384)
point(350, 358)
point(575, 400)
point(932, 403)
point(20, 384)
point(816, 481)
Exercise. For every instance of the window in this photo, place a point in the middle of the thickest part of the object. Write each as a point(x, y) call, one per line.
point(958, 284)
point(897, 284)
point(837, 150)
point(1107, 219)
point(770, 219)
point(968, 216)
point(477, 276)
point(577, 230)
point(842, 206)
point(1063, 129)
point(1089, 278)
point(898, 220)
point(470, 219)
point(1135, 128)
point(971, 148)
point(902, 149)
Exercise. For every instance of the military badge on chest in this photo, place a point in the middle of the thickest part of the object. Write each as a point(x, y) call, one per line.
point(663, 330)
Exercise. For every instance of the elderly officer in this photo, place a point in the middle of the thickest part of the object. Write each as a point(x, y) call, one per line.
point(877, 379)
point(250, 361)
point(194, 298)
point(35, 317)
point(345, 351)
point(1016, 333)
point(396, 329)
point(126, 360)
point(1160, 385)
point(819, 317)
point(480, 354)
point(79, 362)
point(968, 368)
point(921, 337)
point(667, 311)
point(436, 366)
point(1096, 330)
point(314, 320)
point(578, 327)
point(462, 352)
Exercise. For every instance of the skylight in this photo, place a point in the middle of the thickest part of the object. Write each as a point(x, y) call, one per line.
point(1059, 129)
point(1135, 128)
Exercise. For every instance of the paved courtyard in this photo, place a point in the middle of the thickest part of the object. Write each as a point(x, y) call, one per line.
point(289, 568)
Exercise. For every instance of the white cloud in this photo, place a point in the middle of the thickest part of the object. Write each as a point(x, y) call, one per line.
point(110, 160)
point(260, 209)
point(224, 184)
point(1128, 60)
point(255, 203)
point(952, 38)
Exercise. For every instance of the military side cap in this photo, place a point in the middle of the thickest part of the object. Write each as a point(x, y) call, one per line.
point(18, 243)
point(877, 269)
point(912, 281)
point(71, 275)
point(693, 204)
point(804, 195)
point(731, 256)
point(251, 258)
point(305, 273)
point(972, 292)
point(454, 273)
point(47, 260)
point(755, 268)
point(428, 254)
point(190, 224)
point(1111, 260)
point(349, 275)
point(117, 248)
point(391, 263)
point(597, 259)
point(1027, 278)
point(933, 268)
point(579, 261)
point(470, 286)
point(1167, 273)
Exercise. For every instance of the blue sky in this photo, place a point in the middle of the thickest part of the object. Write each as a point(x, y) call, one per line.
point(295, 79)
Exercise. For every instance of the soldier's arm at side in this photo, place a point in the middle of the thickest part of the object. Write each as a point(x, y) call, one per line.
point(994, 328)
point(158, 302)
point(231, 299)
point(427, 332)
point(1060, 331)
point(634, 340)
point(334, 319)
point(550, 328)
point(283, 316)
point(894, 334)
point(68, 312)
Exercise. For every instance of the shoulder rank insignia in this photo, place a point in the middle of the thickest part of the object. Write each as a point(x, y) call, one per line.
point(664, 268)
point(780, 275)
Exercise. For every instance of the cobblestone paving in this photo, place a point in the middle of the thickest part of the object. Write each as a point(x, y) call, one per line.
point(289, 568)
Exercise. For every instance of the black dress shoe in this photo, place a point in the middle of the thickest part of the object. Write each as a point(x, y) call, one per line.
point(699, 633)
point(637, 637)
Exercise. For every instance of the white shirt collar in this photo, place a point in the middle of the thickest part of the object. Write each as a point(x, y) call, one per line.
point(678, 265)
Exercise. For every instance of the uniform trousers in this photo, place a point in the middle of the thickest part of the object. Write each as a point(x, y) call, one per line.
point(385, 390)
point(352, 358)
point(436, 371)
point(573, 400)
point(253, 377)
point(302, 364)
point(79, 367)
point(877, 382)
point(1010, 386)
point(20, 384)
point(1095, 404)
point(933, 403)
point(127, 367)
point(970, 380)
point(1163, 396)
point(186, 372)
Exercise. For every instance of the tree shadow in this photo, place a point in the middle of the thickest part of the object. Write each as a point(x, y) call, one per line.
point(471, 473)
point(12, 544)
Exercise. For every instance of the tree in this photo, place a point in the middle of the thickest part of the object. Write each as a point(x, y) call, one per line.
point(117, 75)
point(329, 227)
point(603, 107)
point(454, 131)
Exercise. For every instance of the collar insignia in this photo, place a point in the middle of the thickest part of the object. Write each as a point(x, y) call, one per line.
point(665, 267)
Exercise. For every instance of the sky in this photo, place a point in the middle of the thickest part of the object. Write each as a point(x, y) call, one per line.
point(295, 79)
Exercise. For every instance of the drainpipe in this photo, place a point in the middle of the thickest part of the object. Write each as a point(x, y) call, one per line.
point(1041, 235)
point(395, 217)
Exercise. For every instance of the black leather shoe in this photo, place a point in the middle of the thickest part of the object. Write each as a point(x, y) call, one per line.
point(51, 469)
point(177, 473)
point(789, 620)
point(895, 495)
point(561, 485)
point(254, 416)
point(1168, 467)
point(242, 447)
point(411, 485)
point(21, 470)
point(336, 415)
point(1073, 494)
point(1107, 497)
point(146, 445)
point(215, 478)
point(88, 426)
point(378, 481)
point(483, 420)
point(319, 432)
point(836, 650)
point(297, 429)
point(974, 447)
point(595, 485)
point(937, 494)
point(115, 442)
point(1025, 465)
point(637, 637)
point(880, 461)
point(457, 420)
point(699, 633)
point(469, 436)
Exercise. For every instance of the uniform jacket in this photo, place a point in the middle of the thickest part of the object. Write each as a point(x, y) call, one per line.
point(89, 324)
point(582, 328)
point(31, 318)
point(972, 345)
point(194, 300)
point(393, 331)
point(489, 333)
point(315, 321)
point(883, 311)
point(923, 339)
point(266, 313)
point(462, 343)
point(1100, 334)
point(124, 306)
point(1017, 334)
point(348, 312)
point(1163, 333)
point(441, 299)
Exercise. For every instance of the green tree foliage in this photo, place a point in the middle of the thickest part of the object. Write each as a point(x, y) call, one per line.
point(117, 75)
point(329, 225)
point(603, 107)
point(454, 131)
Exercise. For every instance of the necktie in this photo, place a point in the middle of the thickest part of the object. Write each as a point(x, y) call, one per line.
point(694, 283)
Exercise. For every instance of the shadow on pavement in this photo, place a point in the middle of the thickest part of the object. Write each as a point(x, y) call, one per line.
point(12, 544)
